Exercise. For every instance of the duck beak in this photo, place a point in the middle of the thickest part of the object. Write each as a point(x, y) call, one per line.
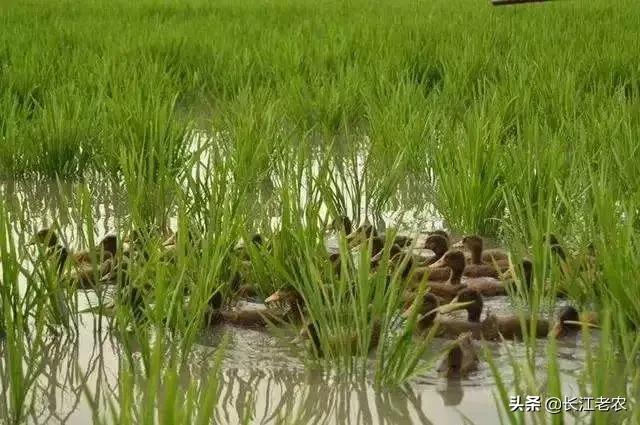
point(275, 297)
point(438, 264)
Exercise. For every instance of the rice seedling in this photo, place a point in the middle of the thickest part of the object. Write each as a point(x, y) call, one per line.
point(240, 131)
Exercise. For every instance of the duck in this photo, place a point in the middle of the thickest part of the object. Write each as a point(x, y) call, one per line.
point(438, 244)
point(494, 327)
point(245, 315)
point(243, 251)
point(338, 342)
point(456, 262)
point(53, 248)
point(47, 237)
point(570, 322)
point(363, 232)
point(461, 358)
point(430, 312)
point(84, 274)
point(477, 265)
point(439, 232)
point(421, 267)
point(394, 251)
point(446, 288)
point(106, 249)
point(291, 299)
point(342, 224)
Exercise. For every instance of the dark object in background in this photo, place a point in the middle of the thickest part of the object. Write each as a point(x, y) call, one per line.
point(508, 2)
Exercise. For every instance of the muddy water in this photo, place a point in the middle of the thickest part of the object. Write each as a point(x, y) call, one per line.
point(262, 379)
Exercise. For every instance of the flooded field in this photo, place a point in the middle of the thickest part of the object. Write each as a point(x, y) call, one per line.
point(264, 378)
point(310, 211)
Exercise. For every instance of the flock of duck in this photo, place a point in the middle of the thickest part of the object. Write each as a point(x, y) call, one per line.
point(457, 276)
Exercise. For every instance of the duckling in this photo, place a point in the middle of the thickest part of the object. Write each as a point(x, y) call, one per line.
point(477, 266)
point(461, 359)
point(570, 322)
point(456, 262)
point(509, 327)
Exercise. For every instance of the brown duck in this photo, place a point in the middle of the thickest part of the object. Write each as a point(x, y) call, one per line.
point(461, 359)
point(456, 262)
point(508, 327)
point(429, 312)
point(84, 274)
point(244, 315)
point(339, 342)
point(570, 322)
point(493, 266)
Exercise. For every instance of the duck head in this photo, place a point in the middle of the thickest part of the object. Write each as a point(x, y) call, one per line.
point(568, 322)
point(439, 232)
point(427, 309)
point(455, 261)
point(288, 296)
point(474, 303)
point(527, 273)
point(461, 359)
point(393, 251)
point(342, 224)
point(109, 244)
point(46, 237)
point(474, 244)
point(438, 244)
point(216, 300)
point(402, 261)
point(555, 246)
